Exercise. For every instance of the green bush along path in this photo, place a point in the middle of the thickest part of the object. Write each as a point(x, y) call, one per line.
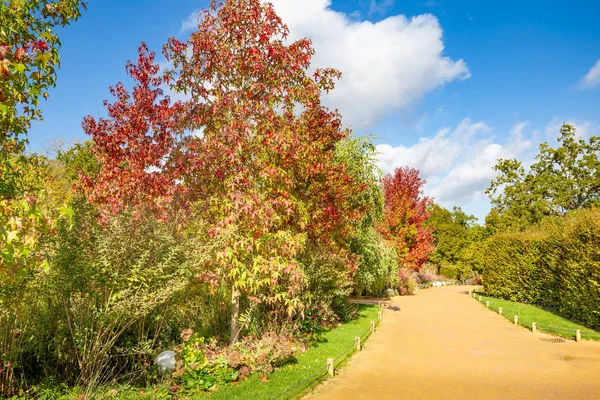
point(441, 344)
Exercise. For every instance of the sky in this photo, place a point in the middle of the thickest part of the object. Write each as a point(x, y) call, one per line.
point(446, 87)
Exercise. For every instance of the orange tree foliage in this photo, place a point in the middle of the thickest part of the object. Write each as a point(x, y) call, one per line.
point(404, 214)
point(250, 153)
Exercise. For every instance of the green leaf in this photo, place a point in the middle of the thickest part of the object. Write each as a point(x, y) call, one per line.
point(12, 235)
point(19, 68)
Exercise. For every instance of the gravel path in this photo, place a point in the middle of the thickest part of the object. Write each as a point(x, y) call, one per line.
point(442, 344)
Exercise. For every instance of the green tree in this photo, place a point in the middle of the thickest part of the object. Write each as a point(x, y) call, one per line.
point(562, 179)
point(453, 231)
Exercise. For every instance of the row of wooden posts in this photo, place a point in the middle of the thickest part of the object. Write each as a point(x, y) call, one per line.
point(533, 325)
point(357, 344)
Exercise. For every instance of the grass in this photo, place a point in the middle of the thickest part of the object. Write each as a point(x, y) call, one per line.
point(545, 321)
point(334, 343)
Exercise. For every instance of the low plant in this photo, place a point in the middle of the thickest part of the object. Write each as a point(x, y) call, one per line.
point(407, 282)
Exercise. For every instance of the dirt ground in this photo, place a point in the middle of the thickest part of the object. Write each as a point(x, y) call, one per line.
point(442, 344)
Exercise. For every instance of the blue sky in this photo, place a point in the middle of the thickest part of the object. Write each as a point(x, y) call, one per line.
point(447, 86)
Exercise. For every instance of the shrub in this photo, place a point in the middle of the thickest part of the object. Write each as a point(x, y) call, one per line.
point(377, 266)
point(407, 282)
point(449, 270)
point(554, 265)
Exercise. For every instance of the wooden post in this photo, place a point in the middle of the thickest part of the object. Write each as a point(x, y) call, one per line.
point(372, 326)
point(533, 327)
point(487, 304)
point(357, 342)
point(330, 369)
point(516, 319)
point(578, 335)
point(479, 298)
point(380, 316)
point(500, 310)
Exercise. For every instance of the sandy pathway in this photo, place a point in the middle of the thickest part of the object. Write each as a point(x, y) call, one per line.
point(441, 344)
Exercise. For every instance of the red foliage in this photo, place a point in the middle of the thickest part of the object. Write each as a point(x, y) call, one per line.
point(136, 144)
point(262, 176)
point(405, 211)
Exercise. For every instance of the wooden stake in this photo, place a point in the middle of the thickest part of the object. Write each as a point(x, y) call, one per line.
point(516, 319)
point(533, 327)
point(380, 316)
point(578, 335)
point(500, 310)
point(357, 342)
point(487, 304)
point(330, 369)
point(372, 326)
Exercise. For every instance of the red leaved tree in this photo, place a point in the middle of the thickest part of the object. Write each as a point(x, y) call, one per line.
point(261, 180)
point(263, 173)
point(404, 213)
point(137, 144)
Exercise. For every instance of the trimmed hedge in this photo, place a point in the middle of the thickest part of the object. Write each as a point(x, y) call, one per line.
point(554, 265)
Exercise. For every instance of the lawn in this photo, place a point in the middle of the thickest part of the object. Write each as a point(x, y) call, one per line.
point(310, 366)
point(545, 320)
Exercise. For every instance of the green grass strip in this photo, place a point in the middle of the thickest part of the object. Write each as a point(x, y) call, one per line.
point(545, 321)
point(336, 343)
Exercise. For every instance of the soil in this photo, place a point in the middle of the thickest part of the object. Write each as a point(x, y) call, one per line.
point(442, 344)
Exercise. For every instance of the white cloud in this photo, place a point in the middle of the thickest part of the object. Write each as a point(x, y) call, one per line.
point(380, 6)
point(386, 65)
point(458, 164)
point(190, 23)
point(592, 78)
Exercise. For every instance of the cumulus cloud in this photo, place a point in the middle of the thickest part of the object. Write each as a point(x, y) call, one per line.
point(386, 65)
point(592, 78)
point(458, 164)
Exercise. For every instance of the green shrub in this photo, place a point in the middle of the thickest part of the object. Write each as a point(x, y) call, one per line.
point(554, 265)
point(377, 266)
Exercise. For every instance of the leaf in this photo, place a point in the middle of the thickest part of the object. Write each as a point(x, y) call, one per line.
point(19, 68)
point(11, 235)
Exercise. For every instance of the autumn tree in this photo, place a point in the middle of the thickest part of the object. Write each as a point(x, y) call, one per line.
point(404, 214)
point(28, 64)
point(264, 170)
point(29, 61)
point(250, 155)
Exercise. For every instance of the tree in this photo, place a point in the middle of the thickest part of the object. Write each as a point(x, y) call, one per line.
point(451, 231)
point(562, 179)
point(28, 63)
point(404, 214)
point(250, 157)
point(264, 171)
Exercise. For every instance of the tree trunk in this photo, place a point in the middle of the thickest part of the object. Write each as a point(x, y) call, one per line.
point(235, 315)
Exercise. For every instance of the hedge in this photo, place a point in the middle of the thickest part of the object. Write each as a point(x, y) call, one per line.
point(554, 265)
